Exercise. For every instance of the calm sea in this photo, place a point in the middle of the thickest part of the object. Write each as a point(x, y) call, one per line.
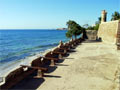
point(19, 44)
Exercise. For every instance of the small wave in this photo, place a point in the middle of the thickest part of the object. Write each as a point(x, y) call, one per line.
point(25, 52)
point(42, 46)
point(49, 45)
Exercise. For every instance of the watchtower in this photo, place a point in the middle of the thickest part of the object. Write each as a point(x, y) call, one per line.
point(103, 16)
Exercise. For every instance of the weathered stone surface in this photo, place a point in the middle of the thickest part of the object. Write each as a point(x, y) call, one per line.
point(92, 34)
point(108, 31)
point(93, 66)
point(118, 47)
point(118, 33)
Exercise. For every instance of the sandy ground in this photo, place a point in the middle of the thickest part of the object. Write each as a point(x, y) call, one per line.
point(94, 66)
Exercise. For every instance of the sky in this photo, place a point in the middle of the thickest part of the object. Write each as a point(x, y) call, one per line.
point(52, 14)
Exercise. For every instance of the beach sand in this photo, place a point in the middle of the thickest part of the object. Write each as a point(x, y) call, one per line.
point(93, 66)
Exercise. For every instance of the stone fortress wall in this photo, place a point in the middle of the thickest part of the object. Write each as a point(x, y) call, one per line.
point(91, 34)
point(118, 36)
point(109, 32)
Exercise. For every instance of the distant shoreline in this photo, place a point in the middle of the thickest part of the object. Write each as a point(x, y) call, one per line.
point(28, 29)
point(61, 28)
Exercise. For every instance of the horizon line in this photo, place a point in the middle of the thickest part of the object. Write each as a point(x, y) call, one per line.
point(24, 29)
point(31, 29)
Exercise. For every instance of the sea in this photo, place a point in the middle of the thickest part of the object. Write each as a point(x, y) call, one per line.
point(18, 46)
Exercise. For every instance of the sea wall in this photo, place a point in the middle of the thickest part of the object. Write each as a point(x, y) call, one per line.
point(108, 31)
point(18, 72)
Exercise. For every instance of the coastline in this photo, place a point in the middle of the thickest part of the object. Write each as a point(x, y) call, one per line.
point(35, 38)
point(18, 44)
point(4, 72)
point(88, 70)
point(16, 64)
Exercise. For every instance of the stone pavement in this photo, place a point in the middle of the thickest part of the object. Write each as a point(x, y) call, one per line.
point(93, 66)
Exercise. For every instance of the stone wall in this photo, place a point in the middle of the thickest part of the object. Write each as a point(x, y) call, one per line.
point(118, 37)
point(91, 34)
point(108, 31)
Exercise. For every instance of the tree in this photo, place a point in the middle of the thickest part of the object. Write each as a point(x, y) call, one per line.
point(96, 27)
point(97, 24)
point(90, 28)
point(115, 16)
point(69, 34)
point(84, 33)
point(71, 24)
point(99, 21)
point(74, 29)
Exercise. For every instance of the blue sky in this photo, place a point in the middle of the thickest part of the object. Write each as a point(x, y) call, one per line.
point(50, 14)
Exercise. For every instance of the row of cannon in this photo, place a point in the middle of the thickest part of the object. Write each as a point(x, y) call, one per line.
point(42, 64)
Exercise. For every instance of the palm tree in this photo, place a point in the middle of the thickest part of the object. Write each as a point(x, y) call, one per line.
point(115, 16)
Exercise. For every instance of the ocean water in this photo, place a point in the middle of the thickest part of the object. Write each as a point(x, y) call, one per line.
point(16, 45)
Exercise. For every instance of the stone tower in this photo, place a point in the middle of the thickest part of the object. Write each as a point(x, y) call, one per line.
point(103, 16)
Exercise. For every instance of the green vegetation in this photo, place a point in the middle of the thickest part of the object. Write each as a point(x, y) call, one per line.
point(95, 27)
point(74, 29)
point(115, 16)
point(69, 34)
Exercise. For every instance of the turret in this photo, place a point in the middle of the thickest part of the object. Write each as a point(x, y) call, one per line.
point(103, 16)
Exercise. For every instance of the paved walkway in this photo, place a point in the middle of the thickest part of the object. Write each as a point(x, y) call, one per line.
point(94, 66)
